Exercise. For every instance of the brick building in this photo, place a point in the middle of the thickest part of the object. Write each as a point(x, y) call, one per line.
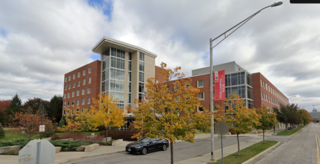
point(265, 93)
point(81, 85)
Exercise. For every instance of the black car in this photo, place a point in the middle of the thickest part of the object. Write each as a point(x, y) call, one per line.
point(144, 145)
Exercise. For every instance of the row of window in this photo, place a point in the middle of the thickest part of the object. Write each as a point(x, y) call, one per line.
point(269, 99)
point(78, 102)
point(272, 91)
point(77, 93)
point(79, 83)
point(79, 73)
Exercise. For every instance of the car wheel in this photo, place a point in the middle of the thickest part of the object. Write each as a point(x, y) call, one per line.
point(144, 151)
point(164, 147)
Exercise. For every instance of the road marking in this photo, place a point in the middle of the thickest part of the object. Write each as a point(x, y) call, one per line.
point(317, 143)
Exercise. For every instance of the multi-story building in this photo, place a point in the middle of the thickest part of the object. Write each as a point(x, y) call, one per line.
point(81, 85)
point(265, 93)
point(237, 80)
point(124, 71)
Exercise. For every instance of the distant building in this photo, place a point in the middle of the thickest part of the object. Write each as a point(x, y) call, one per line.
point(315, 115)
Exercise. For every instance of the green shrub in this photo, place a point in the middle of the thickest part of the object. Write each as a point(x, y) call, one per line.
point(12, 152)
point(62, 121)
point(70, 145)
point(80, 149)
point(21, 142)
point(2, 132)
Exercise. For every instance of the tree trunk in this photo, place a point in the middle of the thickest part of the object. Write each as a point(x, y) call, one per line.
point(274, 129)
point(238, 144)
point(171, 149)
point(106, 132)
point(263, 135)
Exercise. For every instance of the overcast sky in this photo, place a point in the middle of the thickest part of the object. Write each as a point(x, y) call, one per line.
point(40, 41)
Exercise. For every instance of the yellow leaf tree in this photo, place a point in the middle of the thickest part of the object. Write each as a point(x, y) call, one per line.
point(239, 118)
point(267, 119)
point(72, 126)
point(305, 116)
point(105, 112)
point(170, 110)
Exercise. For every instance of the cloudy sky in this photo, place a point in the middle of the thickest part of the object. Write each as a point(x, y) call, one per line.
point(42, 40)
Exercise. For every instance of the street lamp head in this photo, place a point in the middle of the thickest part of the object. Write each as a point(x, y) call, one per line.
point(276, 4)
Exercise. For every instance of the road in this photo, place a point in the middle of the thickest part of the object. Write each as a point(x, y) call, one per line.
point(301, 148)
point(182, 151)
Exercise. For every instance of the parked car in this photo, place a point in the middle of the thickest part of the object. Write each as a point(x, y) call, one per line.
point(144, 145)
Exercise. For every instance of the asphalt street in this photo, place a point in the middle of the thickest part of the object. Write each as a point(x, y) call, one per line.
point(182, 151)
point(301, 148)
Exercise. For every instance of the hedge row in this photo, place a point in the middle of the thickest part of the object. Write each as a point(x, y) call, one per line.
point(120, 134)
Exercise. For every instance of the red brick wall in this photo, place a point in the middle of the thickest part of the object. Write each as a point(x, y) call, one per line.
point(158, 75)
point(258, 100)
point(94, 85)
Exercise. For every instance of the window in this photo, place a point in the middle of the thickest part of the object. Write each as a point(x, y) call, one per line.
point(79, 83)
point(200, 84)
point(74, 84)
point(65, 87)
point(64, 96)
point(89, 70)
point(141, 66)
point(88, 90)
point(89, 80)
point(68, 103)
point(141, 56)
point(72, 94)
point(78, 74)
point(83, 91)
point(72, 103)
point(64, 104)
point(262, 95)
point(78, 102)
point(69, 86)
point(84, 72)
point(141, 87)
point(83, 101)
point(129, 98)
point(78, 92)
point(68, 95)
point(200, 109)
point(141, 76)
point(69, 78)
point(84, 82)
point(130, 56)
point(74, 76)
point(129, 74)
point(129, 87)
point(65, 79)
point(261, 83)
point(201, 96)
point(89, 99)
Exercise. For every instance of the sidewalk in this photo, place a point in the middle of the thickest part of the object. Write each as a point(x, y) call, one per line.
point(217, 154)
point(69, 156)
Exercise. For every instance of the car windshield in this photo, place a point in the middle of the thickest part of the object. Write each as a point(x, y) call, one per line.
point(143, 139)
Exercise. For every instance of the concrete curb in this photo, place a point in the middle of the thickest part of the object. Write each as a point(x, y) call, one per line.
point(260, 154)
point(83, 157)
point(299, 131)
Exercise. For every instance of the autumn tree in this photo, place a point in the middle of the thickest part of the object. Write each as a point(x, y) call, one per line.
point(28, 123)
point(3, 111)
point(239, 118)
point(33, 105)
point(105, 112)
point(72, 125)
point(267, 119)
point(305, 116)
point(170, 110)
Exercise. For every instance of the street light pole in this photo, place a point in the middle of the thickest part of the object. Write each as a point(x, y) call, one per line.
point(236, 27)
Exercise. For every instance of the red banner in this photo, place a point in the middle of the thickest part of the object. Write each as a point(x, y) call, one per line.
point(219, 85)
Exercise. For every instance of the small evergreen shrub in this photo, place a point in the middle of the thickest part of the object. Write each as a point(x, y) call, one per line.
point(21, 142)
point(80, 149)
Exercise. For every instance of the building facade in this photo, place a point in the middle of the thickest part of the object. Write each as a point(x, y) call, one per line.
point(237, 80)
point(125, 69)
point(265, 93)
point(81, 85)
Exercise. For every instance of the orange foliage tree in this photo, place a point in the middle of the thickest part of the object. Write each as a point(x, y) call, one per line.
point(105, 112)
point(267, 119)
point(170, 110)
point(239, 118)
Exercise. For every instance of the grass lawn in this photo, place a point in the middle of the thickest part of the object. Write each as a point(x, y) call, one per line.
point(289, 132)
point(246, 153)
point(203, 132)
point(10, 137)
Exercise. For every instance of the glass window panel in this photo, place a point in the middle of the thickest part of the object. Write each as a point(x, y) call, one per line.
point(233, 79)
point(129, 98)
point(141, 87)
point(129, 74)
point(141, 66)
point(130, 56)
point(129, 88)
point(130, 66)
point(141, 76)
point(141, 56)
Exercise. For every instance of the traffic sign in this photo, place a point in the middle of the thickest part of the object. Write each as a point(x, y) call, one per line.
point(221, 127)
point(42, 128)
point(37, 152)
